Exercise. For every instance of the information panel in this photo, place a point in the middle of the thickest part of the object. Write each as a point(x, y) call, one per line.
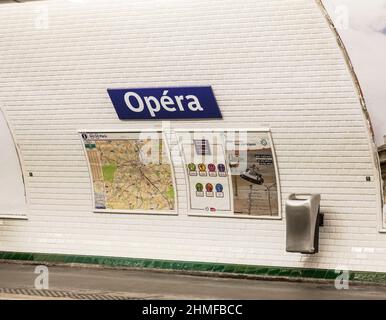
point(230, 173)
point(251, 161)
point(131, 172)
point(207, 172)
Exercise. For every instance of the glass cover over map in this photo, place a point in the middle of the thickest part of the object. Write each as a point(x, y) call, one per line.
point(131, 172)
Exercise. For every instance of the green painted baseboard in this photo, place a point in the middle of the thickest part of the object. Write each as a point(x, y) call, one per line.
point(251, 270)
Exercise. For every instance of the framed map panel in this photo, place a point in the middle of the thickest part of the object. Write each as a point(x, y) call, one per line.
point(131, 172)
point(230, 173)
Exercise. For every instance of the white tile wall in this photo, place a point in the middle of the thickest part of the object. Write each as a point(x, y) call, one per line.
point(272, 63)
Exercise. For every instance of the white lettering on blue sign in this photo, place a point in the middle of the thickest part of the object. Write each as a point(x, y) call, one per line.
point(136, 104)
point(166, 103)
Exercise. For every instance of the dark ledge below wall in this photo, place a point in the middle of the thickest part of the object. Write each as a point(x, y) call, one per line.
point(197, 268)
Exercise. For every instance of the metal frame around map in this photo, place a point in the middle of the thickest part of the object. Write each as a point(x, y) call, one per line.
point(134, 211)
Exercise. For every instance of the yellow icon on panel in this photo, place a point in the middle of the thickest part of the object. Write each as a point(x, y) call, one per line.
point(202, 167)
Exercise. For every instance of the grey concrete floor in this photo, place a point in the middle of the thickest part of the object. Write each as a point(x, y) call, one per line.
point(156, 285)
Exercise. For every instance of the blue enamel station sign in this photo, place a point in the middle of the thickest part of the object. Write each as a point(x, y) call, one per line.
point(165, 103)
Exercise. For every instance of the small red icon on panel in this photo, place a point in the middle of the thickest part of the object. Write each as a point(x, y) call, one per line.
point(209, 190)
point(209, 187)
point(212, 170)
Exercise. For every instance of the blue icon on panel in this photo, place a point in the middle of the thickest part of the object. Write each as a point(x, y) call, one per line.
point(219, 187)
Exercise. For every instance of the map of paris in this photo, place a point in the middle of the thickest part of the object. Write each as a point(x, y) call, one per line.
point(130, 173)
